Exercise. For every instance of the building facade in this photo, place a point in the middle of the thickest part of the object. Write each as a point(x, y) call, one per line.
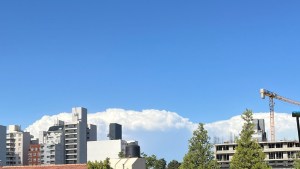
point(100, 150)
point(77, 133)
point(279, 154)
point(17, 146)
point(2, 145)
point(52, 145)
point(34, 156)
point(128, 163)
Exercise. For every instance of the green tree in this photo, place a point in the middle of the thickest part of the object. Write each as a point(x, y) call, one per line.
point(297, 161)
point(200, 155)
point(174, 164)
point(160, 164)
point(248, 153)
point(153, 163)
point(99, 165)
point(150, 160)
point(121, 154)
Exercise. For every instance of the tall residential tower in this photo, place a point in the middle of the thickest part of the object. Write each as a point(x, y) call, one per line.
point(77, 133)
point(17, 146)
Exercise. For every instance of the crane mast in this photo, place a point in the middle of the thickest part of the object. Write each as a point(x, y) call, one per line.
point(272, 95)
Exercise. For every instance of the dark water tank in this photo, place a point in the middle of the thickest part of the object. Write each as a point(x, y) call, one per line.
point(132, 150)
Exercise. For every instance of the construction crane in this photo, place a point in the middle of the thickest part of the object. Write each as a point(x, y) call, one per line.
point(272, 96)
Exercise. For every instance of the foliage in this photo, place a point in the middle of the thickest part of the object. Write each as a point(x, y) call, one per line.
point(121, 154)
point(200, 155)
point(160, 164)
point(297, 164)
point(174, 164)
point(248, 153)
point(99, 165)
point(297, 161)
point(153, 163)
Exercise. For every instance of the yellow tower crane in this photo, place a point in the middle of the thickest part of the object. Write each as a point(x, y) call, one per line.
point(272, 96)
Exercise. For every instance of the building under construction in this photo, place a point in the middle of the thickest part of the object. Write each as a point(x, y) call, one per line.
point(279, 154)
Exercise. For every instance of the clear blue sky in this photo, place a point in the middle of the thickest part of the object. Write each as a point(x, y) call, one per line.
point(205, 60)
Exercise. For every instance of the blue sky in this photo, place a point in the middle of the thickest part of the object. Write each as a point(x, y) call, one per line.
point(205, 60)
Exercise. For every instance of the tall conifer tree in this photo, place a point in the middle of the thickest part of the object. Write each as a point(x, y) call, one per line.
point(248, 153)
point(200, 155)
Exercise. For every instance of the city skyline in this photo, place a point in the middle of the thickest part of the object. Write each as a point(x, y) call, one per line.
point(203, 61)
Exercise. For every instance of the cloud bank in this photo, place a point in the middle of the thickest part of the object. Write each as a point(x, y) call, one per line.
point(166, 133)
point(285, 126)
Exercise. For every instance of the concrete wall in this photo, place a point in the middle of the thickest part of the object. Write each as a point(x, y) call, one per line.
point(100, 150)
point(2, 145)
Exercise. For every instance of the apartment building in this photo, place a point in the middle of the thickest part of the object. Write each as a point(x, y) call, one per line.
point(52, 145)
point(34, 156)
point(2, 145)
point(17, 146)
point(77, 133)
point(279, 154)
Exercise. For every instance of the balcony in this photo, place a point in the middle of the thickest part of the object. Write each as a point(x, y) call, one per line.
point(71, 142)
point(71, 132)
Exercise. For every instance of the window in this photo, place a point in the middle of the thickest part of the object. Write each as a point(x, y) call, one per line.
point(290, 145)
point(290, 154)
point(279, 145)
point(271, 155)
point(226, 148)
point(271, 145)
point(279, 155)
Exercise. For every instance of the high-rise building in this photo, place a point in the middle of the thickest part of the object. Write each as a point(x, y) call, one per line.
point(52, 145)
point(77, 133)
point(2, 145)
point(17, 146)
point(66, 142)
point(259, 130)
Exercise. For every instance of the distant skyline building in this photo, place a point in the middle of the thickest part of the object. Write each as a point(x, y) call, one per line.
point(66, 142)
point(17, 146)
point(2, 145)
point(77, 133)
point(52, 145)
point(34, 154)
point(259, 130)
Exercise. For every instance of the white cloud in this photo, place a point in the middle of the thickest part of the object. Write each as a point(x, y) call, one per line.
point(146, 120)
point(285, 126)
point(156, 129)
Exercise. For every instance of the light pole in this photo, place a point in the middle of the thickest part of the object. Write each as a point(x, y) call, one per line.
point(297, 115)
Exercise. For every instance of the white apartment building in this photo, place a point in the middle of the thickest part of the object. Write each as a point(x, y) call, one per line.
point(17, 146)
point(52, 145)
point(2, 145)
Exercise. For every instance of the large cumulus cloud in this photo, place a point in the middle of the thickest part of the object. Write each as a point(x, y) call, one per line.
point(166, 133)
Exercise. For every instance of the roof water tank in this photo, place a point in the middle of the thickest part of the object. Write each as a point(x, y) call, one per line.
point(132, 150)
